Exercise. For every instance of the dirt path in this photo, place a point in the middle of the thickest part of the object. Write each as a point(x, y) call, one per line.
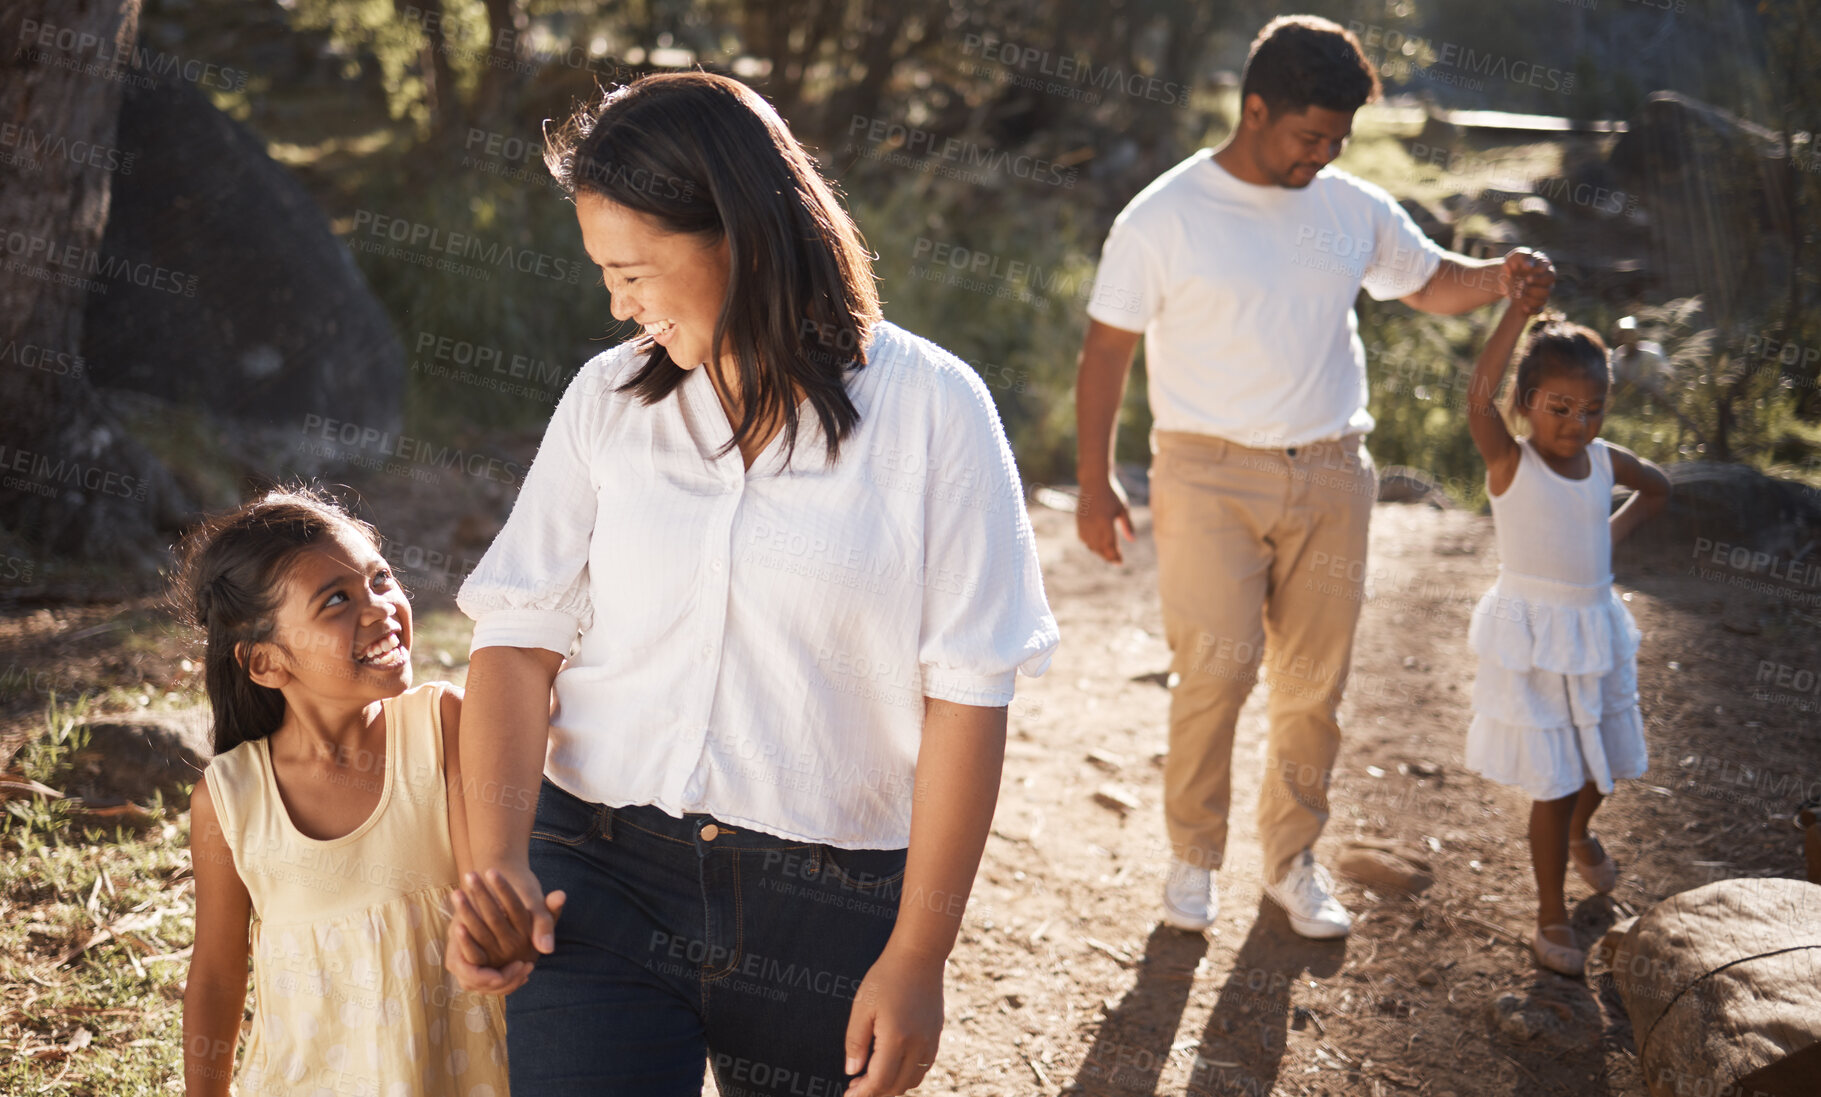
point(1065, 981)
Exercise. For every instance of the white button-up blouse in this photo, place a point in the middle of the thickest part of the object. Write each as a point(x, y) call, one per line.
point(757, 643)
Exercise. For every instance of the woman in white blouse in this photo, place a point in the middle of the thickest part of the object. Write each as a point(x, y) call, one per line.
point(792, 541)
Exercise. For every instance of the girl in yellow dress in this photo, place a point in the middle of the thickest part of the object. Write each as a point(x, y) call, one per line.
point(329, 830)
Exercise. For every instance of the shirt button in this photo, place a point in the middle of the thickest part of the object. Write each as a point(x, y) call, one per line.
point(710, 832)
point(716, 565)
point(707, 650)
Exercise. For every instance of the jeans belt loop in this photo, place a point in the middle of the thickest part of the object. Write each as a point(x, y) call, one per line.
point(604, 821)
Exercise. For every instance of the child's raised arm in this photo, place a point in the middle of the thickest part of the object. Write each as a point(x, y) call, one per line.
point(1650, 490)
point(1490, 435)
point(216, 995)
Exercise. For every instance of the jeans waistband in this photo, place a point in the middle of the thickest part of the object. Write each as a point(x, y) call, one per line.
point(691, 830)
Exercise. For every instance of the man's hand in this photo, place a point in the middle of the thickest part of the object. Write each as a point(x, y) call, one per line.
point(1526, 278)
point(1101, 514)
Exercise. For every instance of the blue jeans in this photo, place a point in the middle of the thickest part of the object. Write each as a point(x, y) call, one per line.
point(687, 940)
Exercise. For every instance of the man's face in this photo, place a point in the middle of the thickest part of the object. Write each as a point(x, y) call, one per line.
point(1292, 146)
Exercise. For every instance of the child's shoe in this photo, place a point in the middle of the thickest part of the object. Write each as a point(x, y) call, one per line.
point(1561, 959)
point(1601, 874)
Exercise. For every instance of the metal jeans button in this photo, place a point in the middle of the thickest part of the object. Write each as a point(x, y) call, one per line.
point(710, 832)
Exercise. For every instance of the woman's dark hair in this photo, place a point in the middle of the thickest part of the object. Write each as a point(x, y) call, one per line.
point(1557, 348)
point(704, 154)
point(230, 580)
point(1300, 61)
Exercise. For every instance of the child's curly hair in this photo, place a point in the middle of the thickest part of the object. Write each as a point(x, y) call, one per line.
point(1557, 348)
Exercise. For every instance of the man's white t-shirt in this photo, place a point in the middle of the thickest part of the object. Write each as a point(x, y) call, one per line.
point(1245, 297)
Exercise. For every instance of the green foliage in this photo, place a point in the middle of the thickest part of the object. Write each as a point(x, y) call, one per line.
point(549, 325)
point(1417, 368)
point(47, 759)
point(378, 29)
point(1020, 325)
point(1002, 283)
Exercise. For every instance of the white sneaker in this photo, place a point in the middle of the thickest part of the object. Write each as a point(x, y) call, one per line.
point(1307, 895)
point(1190, 899)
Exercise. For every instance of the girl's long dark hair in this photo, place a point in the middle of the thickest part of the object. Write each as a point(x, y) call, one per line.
point(230, 579)
point(706, 155)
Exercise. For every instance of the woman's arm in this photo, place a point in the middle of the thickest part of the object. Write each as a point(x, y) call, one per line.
point(477, 959)
point(896, 1022)
point(505, 726)
point(215, 997)
point(1650, 491)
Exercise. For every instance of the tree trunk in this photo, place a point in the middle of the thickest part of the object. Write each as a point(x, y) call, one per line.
point(71, 481)
point(769, 27)
point(881, 22)
point(439, 76)
point(507, 23)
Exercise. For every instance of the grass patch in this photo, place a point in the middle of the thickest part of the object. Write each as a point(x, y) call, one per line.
point(439, 646)
point(95, 930)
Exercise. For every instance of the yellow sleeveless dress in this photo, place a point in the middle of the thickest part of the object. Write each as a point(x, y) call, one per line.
point(350, 995)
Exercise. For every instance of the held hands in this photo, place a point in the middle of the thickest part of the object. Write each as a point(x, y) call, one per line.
point(895, 1025)
point(494, 937)
point(1526, 278)
point(1101, 516)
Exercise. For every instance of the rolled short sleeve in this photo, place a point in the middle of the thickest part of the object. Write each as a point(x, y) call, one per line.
point(985, 616)
point(1128, 286)
point(530, 589)
point(1403, 259)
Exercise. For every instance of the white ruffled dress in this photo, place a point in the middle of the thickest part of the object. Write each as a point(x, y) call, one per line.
point(1555, 702)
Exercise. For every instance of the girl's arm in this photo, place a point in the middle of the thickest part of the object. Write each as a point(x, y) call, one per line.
point(215, 997)
point(896, 1021)
point(1497, 448)
point(1650, 490)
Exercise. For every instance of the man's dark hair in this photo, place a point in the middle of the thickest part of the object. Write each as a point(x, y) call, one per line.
point(1300, 61)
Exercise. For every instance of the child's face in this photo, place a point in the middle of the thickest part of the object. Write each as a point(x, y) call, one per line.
point(344, 625)
point(1565, 413)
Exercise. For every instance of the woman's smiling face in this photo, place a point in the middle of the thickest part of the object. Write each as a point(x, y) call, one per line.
point(670, 284)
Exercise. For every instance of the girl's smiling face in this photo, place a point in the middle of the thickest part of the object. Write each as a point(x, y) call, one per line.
point(343, 629)
point(670, 284)
point(1565, 413)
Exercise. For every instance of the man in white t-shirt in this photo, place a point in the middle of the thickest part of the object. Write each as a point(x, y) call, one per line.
point(1239, 267)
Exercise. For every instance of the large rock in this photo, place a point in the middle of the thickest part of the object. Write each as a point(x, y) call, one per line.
point(1716, 189)
point(132, 759)
point(232, 294)
point(1723, 988)
point(1715, 509)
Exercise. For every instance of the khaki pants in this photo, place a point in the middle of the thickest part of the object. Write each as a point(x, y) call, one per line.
point(1261, 557)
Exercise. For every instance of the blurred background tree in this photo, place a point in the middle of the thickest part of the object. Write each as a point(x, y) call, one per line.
point(430, 111)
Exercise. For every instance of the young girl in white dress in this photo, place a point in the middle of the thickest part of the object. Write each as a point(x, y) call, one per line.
point(1556, 698)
